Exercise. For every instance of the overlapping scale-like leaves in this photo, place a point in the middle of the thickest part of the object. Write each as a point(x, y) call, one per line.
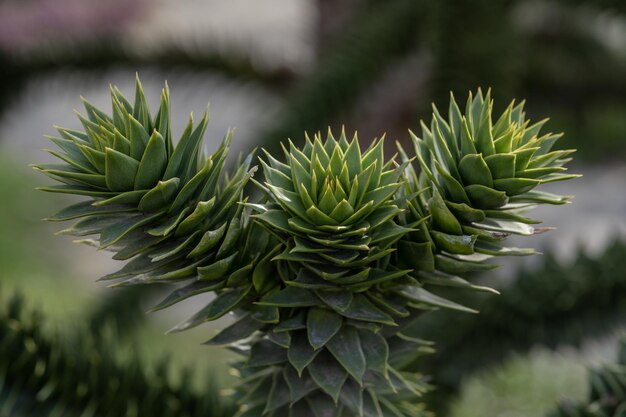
point(333, 208)
point(333, 263)
point(477, 181)
point(275, 388)
point(169, 211)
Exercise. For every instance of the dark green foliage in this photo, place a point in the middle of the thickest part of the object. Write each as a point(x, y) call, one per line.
point(332, 208)
point(449, 229)
point(328, 387)
point(174, 214)
point(463, 39)
point(543, 51)
point(476, 183)
point(560, 65)
point(87, 375)
point(552, 306)
point(336, 326)
point(607, 396)
point(330, 269)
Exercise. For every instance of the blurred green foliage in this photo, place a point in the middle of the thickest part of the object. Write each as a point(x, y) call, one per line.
point(561, 61)
point(607, 391)
point(522, 386)
point(557, 305)
point(88, 374)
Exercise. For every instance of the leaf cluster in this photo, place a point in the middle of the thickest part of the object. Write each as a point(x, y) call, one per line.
point(339, 254)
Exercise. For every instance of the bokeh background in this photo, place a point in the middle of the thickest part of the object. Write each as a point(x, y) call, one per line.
point(274, 69)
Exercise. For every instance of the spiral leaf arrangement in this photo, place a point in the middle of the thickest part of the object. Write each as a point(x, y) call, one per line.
point(168, 209)
point(333, 209)
point(342, 251)
point(476, 183)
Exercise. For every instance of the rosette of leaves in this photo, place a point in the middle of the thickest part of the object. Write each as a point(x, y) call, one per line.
point(167, 209)
point(336, 305)
point(333, 207)
point(477, 180)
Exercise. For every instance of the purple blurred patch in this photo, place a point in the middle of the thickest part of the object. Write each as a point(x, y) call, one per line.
point(34, 23)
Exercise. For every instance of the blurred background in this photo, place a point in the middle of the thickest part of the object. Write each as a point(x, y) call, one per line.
point(274, 69)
